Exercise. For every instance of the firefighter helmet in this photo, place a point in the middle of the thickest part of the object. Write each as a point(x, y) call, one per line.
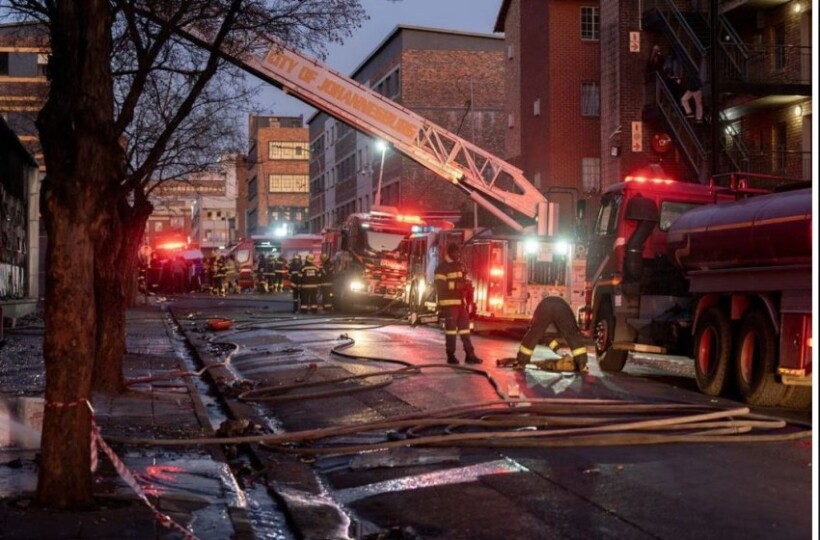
point(309, 257)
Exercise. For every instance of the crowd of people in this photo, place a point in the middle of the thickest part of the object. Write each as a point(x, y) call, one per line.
point(311, 285)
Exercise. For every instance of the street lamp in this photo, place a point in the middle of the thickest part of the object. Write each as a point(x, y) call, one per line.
point(381, 146)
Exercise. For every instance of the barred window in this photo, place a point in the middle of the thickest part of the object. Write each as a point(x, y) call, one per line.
point(288, 183)
point(590, 23)
point(591, 174)
point(590, 99)
point(288, 150)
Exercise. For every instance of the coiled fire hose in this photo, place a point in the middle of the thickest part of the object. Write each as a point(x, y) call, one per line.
point(544, 422)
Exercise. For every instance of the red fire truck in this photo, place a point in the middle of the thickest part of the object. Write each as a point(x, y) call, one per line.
point(721, 274)
point(369, 254)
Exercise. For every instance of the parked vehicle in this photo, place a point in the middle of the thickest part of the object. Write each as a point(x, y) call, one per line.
point(721, 274)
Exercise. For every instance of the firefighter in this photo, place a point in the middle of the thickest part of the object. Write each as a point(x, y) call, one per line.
point(294, 271)
point(261, 281)
point(552, 310)
point(327, 283)
point(451, 286)
point(220, 277)
point(310, 278)
point(280, 270)
point(270, 274)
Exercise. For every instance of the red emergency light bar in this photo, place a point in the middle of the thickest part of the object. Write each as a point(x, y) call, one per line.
point(170, 246)
point(409, 219)
point(643, 180)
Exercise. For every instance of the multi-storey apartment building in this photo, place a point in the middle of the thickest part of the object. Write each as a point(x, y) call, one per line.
point(24, 51)
point(753, 59)
point(199, 210)
point(452, 78)
point(275, 200)
point(552, 81)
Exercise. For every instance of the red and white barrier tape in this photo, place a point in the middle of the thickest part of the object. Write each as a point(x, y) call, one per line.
point(122, 470)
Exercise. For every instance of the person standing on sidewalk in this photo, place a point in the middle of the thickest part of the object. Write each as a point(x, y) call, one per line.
point(295, 270)
point(451, 287)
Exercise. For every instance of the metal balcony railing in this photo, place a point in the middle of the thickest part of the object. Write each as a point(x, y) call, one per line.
point(694, 51)
point(684, 133)
point(782, 163)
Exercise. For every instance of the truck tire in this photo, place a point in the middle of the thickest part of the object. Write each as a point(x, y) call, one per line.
point(713, 351)
point(797, 397)
point(756, 360)
point(604, 327)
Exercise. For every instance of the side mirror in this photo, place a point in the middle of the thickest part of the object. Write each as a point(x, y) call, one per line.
point(581, 209)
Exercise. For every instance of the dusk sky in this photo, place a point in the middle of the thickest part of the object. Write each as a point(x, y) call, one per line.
point(385, 15)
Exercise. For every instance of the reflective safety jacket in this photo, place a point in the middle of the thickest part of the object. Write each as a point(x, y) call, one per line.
point(451, 283)
point(311, 276)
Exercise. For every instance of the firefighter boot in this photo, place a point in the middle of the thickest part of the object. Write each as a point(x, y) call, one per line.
point(451, 358)
point(472, 359)
point(565, 363)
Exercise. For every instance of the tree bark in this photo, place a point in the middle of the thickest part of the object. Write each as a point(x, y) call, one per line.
point(79, 147)
point(115, 261)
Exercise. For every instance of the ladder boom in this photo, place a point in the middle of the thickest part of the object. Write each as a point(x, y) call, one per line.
point(449, 156)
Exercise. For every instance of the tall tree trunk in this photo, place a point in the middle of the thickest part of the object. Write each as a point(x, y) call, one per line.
point(110, 291)
point(79, 143)
point(115, 265)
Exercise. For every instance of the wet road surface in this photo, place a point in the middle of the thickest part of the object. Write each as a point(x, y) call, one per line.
point(678, 490)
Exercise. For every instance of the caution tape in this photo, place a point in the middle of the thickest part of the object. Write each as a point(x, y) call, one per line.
point(97, 443)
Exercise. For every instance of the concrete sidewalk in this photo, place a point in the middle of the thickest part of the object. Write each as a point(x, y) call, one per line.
point(192, 485)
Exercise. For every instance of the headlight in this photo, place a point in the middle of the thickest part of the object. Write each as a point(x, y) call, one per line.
point(356, 285)
point(422, 286)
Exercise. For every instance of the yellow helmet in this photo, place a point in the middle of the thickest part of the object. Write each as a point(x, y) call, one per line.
point(309, 257)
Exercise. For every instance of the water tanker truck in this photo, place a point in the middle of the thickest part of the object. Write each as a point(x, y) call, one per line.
point(722, 275)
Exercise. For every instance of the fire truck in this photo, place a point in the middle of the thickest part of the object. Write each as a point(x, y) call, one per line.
point(718, 273)
point(486, 179)
point(246, 252)
point(369, 255)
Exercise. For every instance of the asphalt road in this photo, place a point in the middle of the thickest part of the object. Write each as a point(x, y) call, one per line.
point(726, 489)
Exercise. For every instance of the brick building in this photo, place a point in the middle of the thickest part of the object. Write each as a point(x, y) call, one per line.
point(24, 51)
point(451, 78)
point(552, 81)
point(756, 87)
point(274, 201)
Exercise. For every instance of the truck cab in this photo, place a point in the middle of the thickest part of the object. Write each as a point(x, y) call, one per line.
point(631, 283)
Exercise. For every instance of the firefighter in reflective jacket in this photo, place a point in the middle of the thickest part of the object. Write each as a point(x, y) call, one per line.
point(451, 286)
point(280, 270)
point(327, 283)
point(310, 278)
point(552, 310)
point(294, 271)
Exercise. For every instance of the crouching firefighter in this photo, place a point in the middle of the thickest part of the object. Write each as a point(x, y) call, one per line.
point(451, 286)
point(552, 310)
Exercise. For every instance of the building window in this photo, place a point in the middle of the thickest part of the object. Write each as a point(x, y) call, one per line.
point(590, 24)
point(157, 226)
point(4, 63)
point(288, 150)
point(177, 223)
point(590, 99)
point(288, 183)
point(591, 174)
point(42, 65)
point(780, 146)
point(780, 46)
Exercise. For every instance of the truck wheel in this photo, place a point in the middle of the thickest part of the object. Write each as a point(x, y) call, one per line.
point(713, 351)
point(604, 328)
point(755, 362)
point(797, 397)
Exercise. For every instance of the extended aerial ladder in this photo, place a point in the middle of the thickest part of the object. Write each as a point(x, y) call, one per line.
point(480, 174)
